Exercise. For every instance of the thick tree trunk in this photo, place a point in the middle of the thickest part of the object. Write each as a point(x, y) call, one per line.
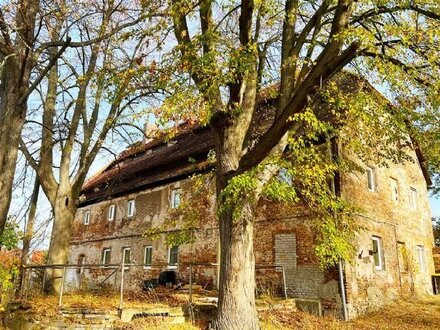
point(64, 210)
point(11, 122)
point(236, 306)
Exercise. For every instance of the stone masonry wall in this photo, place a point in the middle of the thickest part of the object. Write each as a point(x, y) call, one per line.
point(403, 229)
point(292, 227)
point(283, 236)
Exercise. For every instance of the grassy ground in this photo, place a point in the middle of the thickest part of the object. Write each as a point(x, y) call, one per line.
point(421, 313)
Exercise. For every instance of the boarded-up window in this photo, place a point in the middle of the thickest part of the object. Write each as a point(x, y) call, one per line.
point(285, 250)
point(413, 197)
point(421, 257)
point(403, 257)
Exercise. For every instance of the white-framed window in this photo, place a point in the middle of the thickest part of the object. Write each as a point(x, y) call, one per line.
point(131, 207)
point(111, 212)
point(371, 181)
point(285, 176)
point(394, 190)
point(413, 197)
point(126, 255)
point(421, 257)
point(148, 256)
point(378, 253)
point(106, 256)
point(176, 195)
point(86, 217)
point(173, 257)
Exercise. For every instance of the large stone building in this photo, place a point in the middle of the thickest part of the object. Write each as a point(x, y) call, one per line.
point(139, 188)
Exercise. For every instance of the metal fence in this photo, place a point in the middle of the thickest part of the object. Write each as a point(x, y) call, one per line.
point(123, 278)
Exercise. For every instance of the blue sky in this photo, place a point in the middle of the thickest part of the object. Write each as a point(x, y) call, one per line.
point(435, 206)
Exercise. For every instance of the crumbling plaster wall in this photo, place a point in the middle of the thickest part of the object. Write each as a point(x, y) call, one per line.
point(152, 207)
point(394, 222)
point(366, 287)
point(303, 276)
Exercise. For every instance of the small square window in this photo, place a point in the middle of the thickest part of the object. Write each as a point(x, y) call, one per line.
point(176, 195)
point(106, 254)
point(130, 208)
point(148, 255)
point(378, 253)
point(173, 256)
point(421, 257)
point(413, 197)
point(394, 190)
point(87, 217)
point(371, 179)
point(111, 212)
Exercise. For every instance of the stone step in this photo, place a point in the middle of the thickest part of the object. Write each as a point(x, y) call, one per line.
point(127, 314)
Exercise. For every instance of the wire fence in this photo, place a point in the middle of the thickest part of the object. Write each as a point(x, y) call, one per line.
point(155, 281)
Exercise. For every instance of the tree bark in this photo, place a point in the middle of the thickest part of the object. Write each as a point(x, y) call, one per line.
point(11, 122)
point(236, 305)
point(64, 209)
point(18, 62)
point(29, 231)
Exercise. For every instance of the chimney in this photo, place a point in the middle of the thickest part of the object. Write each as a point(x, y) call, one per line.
point(150, 131)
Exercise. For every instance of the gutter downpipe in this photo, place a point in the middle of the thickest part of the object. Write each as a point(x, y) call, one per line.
point(333, 152)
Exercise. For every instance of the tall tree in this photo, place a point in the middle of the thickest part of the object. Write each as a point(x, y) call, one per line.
point(23, 55)
point(88, 89)
point(225, 54)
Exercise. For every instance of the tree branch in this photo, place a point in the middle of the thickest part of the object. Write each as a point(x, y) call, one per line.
point(43, 73)
point(296, 104)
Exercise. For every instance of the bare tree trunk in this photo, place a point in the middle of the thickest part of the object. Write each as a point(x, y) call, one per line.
point(29, 231)
point(11, 122)
point(14, 83)
point(64, 210)
point(236, 306)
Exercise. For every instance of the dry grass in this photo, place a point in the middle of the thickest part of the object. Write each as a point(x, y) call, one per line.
point(423, 313)
point(154, 324)
point(109, 300)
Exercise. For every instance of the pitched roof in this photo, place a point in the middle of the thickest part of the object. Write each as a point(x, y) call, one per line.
point(165, 159)
point(151, 164)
